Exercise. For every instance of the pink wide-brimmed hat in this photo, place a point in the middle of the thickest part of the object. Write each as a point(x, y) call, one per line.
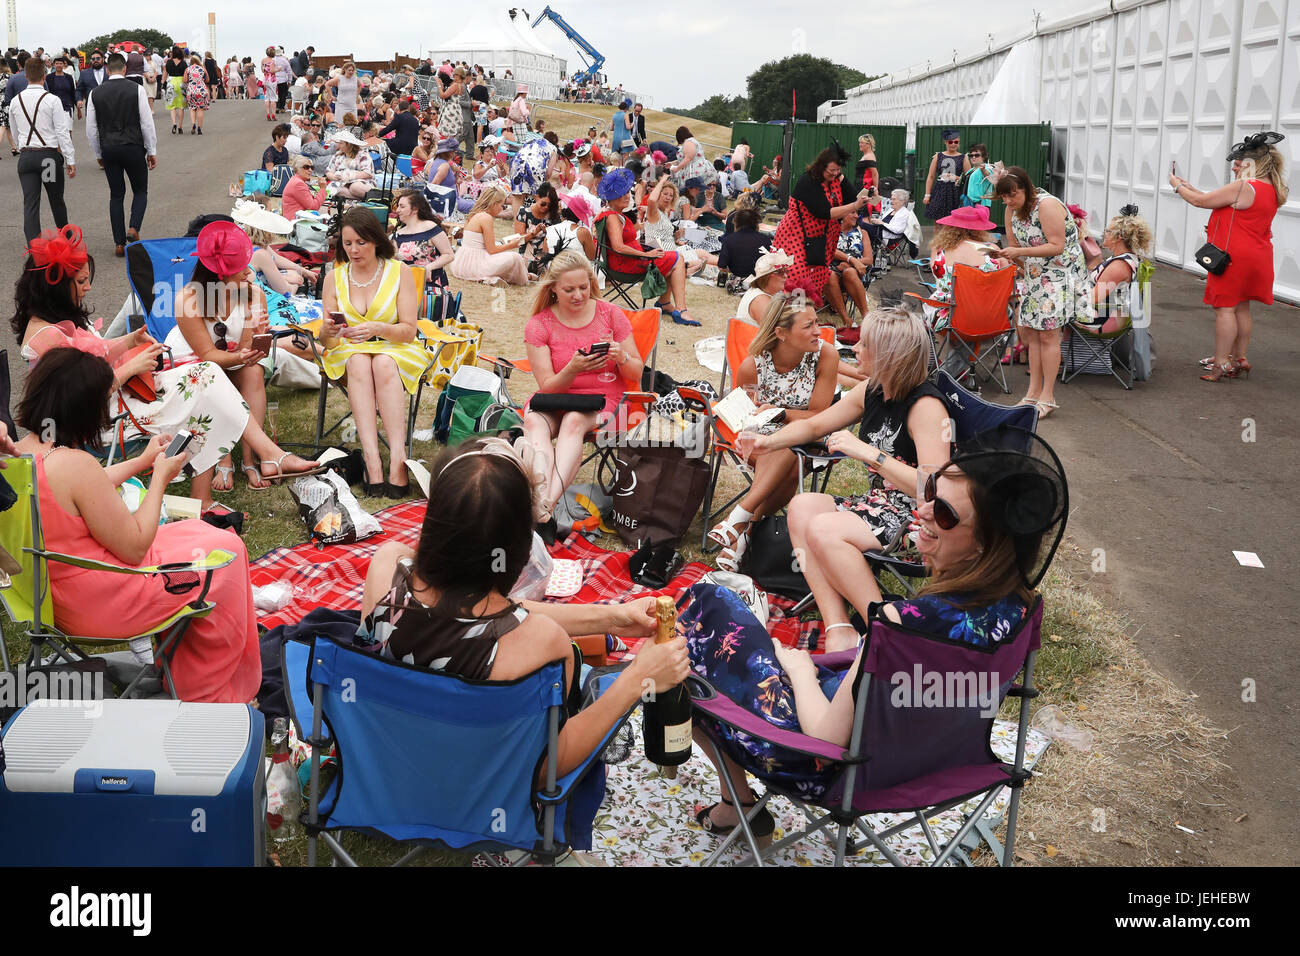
point(975, 218)
point(224, 248)
point(579, 207)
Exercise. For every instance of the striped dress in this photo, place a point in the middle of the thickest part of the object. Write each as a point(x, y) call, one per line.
point(412, 358)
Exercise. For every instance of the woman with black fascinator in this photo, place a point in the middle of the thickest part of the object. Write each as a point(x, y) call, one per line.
point(1239, 254)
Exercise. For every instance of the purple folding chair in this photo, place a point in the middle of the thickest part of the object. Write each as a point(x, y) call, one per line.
point(908, 753)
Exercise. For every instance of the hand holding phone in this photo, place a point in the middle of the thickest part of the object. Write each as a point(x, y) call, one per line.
point(179, 443)
point(339, 319)
point(262, 343)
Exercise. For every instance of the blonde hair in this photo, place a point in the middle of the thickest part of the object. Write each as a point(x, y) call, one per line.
point(487, 198)
point(950, 237)
point(900, 351)
point(781, 312)
point(195, 60)
point(571, 260)
point(869, 140)
point(1270, 166)
point(349, 119)
point(346, 64)
point(1134, 231)
point(671, 187)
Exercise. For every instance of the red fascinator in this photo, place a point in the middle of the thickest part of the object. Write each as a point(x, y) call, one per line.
point(60, 252)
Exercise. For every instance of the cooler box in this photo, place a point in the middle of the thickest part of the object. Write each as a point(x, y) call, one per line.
point(133, 783)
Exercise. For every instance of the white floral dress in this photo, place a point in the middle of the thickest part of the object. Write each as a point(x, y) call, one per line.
point(792, 389)
point(1056, 290)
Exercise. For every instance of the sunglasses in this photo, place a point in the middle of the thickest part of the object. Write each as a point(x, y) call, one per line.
point(307, 166)
point(945, 515)
point(220, 330)
point(974, 154)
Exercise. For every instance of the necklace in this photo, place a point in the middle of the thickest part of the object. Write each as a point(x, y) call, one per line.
point(369, 282)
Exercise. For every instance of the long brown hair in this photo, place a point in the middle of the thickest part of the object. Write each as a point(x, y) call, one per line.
point(995, 571)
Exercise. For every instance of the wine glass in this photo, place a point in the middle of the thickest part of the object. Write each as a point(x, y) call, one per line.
point(607, 374)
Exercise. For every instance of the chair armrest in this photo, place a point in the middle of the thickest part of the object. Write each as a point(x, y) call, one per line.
point(314, 326)
point(727, 711)
point(938, 303)
point(907, 569)
point(817, 451)
point(212, 561)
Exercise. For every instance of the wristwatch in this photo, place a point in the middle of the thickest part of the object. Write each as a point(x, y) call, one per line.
point(880, 459)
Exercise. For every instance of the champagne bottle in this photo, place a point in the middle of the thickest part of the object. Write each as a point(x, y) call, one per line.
point(667, 717)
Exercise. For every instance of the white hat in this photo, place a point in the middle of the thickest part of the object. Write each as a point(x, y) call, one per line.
point(347, 137)
point(768, 263)
point(256, 216)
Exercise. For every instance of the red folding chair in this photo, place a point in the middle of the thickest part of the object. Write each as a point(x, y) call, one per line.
point(979, 323)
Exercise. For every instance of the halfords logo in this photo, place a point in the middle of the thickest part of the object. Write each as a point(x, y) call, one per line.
point(20, 687)
point(77, 909)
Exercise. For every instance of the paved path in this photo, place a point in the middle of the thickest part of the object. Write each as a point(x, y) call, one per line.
point(1160, 479)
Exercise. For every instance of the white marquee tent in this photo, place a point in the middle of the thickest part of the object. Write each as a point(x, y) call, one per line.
point(492, 40)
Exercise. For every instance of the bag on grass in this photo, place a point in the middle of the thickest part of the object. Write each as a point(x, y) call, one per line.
point(770, 560)
point(331, 511)
point(281, 174)
point(256, 181)
point(480, 414)
point(468, 380)
point(311, 234)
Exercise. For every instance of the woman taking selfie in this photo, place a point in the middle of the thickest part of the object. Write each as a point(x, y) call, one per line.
point(789, 367)
point(578, 344)
point(375, 345)
point(1241, 224)
point(82, 514)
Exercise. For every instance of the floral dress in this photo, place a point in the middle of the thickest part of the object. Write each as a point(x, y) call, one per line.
point(197, 397)
point(792, 389)
point(1057, 291)
point(730, 649)
point(698, 168)
point(526, 218)
point(418, 249)
point(528, 168)
point(345, 169)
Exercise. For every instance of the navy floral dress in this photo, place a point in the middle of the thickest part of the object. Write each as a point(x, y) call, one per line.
point(731, 650)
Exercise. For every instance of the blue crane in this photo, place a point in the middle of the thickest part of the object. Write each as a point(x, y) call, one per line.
point(595, 59)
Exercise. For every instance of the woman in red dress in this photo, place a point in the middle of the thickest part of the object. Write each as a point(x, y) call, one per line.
point(816, 206)
point(1241, 224)
point(627, 255)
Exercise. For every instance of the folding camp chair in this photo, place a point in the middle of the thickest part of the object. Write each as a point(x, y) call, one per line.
point(28, 598)
point(969, 415)
point(1097, 350)
point(615, 281)
point(157, 270)
point(902, 757)
point(979, 323)
point(435, 760)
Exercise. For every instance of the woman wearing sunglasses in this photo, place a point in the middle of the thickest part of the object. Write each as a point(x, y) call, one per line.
point(297, 194)
point(987, 525)
point(902, 421)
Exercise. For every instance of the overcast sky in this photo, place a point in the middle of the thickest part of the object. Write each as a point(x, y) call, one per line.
point(677, 51)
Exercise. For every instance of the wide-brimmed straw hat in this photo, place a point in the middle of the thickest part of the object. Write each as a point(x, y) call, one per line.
point(768, 263)
point(347, 137)
point(256, 216)
point(975, 218)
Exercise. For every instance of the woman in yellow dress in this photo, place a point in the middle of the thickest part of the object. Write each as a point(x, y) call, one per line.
point(376, 346)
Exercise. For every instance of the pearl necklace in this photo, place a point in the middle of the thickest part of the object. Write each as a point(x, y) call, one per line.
point(369, 282)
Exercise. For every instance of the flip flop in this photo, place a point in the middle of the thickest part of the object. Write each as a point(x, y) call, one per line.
point(254, 470)
point(280, 474)
point(226, 472)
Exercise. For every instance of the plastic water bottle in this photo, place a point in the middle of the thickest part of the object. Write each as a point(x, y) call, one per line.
point(283, 793)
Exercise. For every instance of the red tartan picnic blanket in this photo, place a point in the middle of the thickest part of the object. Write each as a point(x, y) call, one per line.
point(335, 577)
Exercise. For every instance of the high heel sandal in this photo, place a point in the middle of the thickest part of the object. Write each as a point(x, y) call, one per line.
point(1208, 361)
point(1220, 372)
point(1241, 368)
point(733, 543)
point(762, 826)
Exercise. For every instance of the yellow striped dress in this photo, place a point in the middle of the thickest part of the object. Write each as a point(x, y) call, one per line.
point(412, 358)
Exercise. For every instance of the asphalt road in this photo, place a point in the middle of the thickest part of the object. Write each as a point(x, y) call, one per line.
point(1161, 479)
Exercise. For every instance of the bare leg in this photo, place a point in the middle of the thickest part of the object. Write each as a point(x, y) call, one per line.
point(1245, 324)
point(251, 382)
point(836, 542)
point(201, 488)
point(804, 511)
point(568, 452)
point(836, 297)
point(856, 290)
point(774, 472)
point(1029, 337)
point(723, 815)
point(540, 430)
point(1049, 359)
point(392, 398)
point(361, 396)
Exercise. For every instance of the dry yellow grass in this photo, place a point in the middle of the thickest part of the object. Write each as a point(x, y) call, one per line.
point(571, 120)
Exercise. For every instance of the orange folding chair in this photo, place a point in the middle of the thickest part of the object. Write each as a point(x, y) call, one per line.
point(979, 323)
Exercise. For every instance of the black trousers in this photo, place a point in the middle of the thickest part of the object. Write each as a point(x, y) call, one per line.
point(37, 168)
point(120, 164)
point(281, 94)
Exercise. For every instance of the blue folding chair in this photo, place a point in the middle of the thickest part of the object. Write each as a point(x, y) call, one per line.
point(157, 270)
point(436, 760)
point(403, 166)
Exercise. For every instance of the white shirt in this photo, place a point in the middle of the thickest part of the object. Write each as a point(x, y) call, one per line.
point(156, 61)
point(51, 121)
point(146, 121)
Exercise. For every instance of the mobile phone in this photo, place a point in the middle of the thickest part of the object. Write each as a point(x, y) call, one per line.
point(1173, 168)
point(598, 348)
point(179, 443)
point(134, 323)
point(262, 343)
point(338, 319)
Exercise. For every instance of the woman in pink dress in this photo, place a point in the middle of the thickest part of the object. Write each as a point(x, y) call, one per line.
point(82, 514)
point(567, 320)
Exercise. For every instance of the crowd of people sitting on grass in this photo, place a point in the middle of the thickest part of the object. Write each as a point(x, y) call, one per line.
point(981, 513)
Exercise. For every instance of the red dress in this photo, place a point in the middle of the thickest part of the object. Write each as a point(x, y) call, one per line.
point(800, 221)
point(635, 266)
point(1249, 242)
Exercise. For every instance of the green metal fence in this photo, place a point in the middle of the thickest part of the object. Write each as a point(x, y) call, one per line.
point(765, 141)
point(1025, 146)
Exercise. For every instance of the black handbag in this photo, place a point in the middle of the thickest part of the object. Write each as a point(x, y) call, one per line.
point(814, 248)
point(770, 559)
point(1210, 257)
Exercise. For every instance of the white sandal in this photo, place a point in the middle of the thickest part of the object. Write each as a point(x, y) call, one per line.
point(733, 544)
point(830, 627)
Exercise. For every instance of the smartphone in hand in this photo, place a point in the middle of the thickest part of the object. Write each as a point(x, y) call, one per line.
point(179, 443)
point(339, 319)
point(262, 343)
